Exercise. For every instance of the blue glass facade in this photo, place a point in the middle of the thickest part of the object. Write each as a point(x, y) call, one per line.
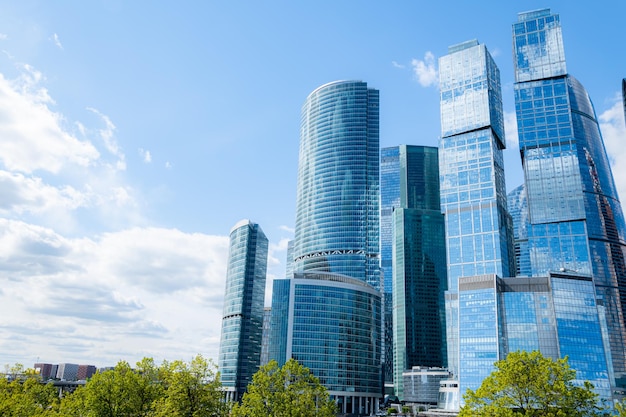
point(331, 324)
point(413, 252)
point(518, 209)
point(389, 199)
point(338, 195)
point(242, 322)
point(480, 333)
point(328, 313)
point(479, 230)
point(576, 222)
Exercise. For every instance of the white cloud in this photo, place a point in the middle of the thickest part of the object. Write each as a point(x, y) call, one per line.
point(138, 292)
point(22, 194)
point(145, 155)
point(425, 70)
point(3, 36)
point(168, 165)
point(57, 42)
point(397, 65)
point(32, 135)
point(107, 134)
point(614, 135)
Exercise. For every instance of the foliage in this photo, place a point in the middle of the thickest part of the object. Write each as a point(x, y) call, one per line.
point(191, 390)
point(290, 390)
point(621, 408)
point(22, 395)
point(529, 384)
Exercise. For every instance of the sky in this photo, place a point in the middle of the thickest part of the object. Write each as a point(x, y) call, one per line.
point(135, 134)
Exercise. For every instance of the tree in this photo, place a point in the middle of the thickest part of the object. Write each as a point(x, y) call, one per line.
point(121, 391)
point(529, 384)
point(287, 391)
point(191, 390)
point(23, 395)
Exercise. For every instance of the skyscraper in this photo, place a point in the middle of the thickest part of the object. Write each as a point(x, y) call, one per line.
point(473, 194)
point(330, 323)
point(327, 315)
point(413, 253)
point(242, 322)
point(576, 224)
point(338, 196)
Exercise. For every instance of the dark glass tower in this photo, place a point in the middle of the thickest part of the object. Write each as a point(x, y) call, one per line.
point(242, 322)
point(414, 239)
point(576, 224)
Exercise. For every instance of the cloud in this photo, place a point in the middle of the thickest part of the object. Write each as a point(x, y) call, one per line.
point(145, 155)
point(424, 70)
point(33, 137)
point(614, 135)
point(137, 292)
point(107, 134)
point(289, 229)
point(395, 64)
point(3, 36)
point(57, 42)
point(168, 165)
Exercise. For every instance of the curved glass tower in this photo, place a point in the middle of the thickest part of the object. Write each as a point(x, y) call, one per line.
point(327, 314)
point(331, 324)
point(242, 322)
point(338, 195)
point(576, 224)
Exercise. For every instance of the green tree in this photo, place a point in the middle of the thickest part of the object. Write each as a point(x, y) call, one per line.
point(23, 395)
point(191, 390)
point(287, 391)
point(529, 384)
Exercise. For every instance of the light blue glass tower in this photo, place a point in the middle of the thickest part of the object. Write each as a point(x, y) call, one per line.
point(242, 322)
point(473, 196)
point(576, 223)
point(327, 314)
point(338, 195)
point(413, 252)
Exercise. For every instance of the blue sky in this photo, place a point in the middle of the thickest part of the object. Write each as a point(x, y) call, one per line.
point(135, 134)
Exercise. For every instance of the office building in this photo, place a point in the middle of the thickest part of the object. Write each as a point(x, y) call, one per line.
point(265, 344)
point(85, 372)
point(421, 384)
point(67, 372)
point(330, 323)
point(242, 322)
point(45, 371)
point(518, 209)
point(479, 234)
point(338, 197)
point(575, 220)
point(335, 279)
point(413, 252)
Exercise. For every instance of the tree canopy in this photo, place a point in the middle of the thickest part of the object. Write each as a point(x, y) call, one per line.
point(287, 391)
point(529, 384)
point(173, 389)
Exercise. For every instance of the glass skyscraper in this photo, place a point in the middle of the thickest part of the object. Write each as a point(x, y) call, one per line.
point(338, 195)
point(473, 195)
point(327, 314)
point(576, 224)
point(242, 320)
point(413, 253)
point(330, 323)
